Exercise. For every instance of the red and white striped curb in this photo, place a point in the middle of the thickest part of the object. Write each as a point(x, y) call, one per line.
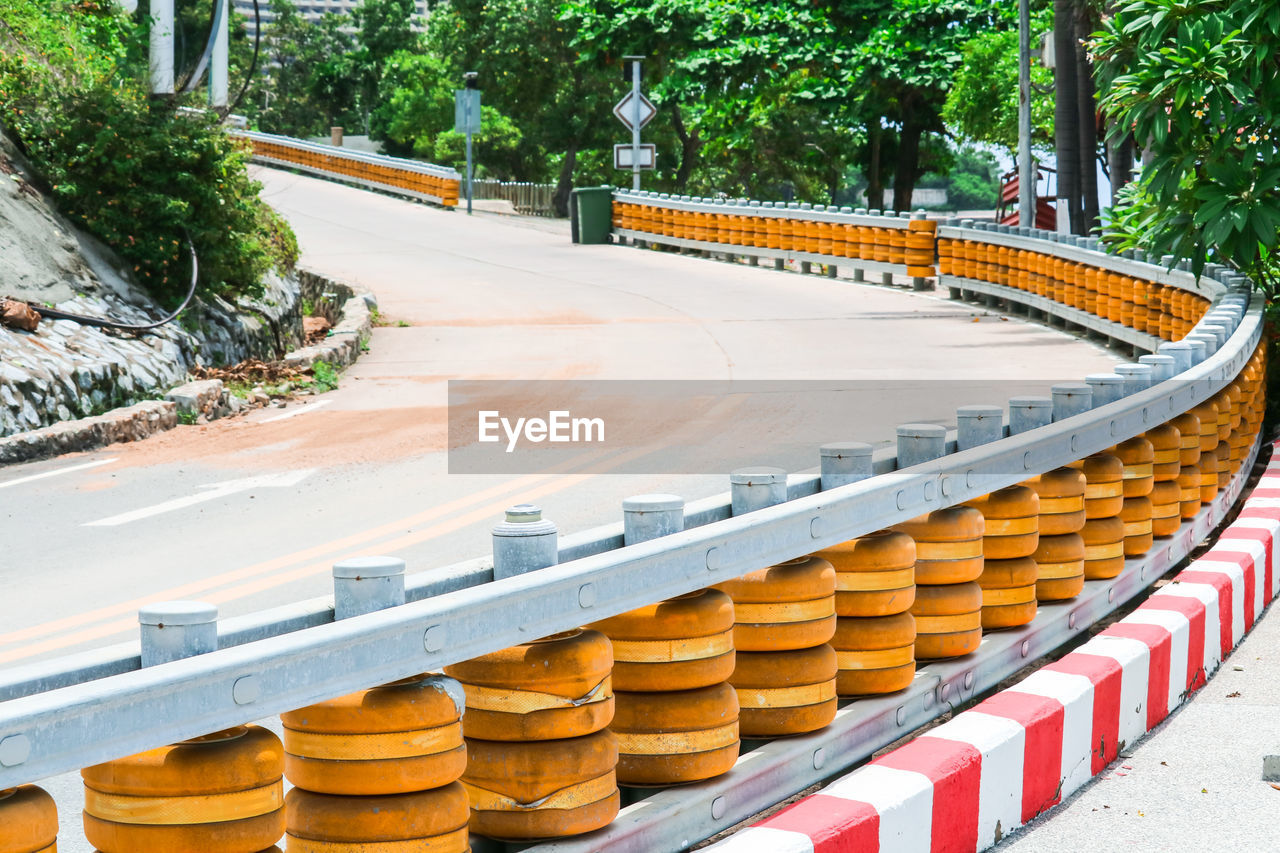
point(989, 770)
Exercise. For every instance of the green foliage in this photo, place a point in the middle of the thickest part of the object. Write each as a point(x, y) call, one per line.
point(326, 378)
point(1195, 80)
point(132, 171)
point(983, 101)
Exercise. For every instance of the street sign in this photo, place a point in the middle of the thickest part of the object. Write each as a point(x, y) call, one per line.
point(466, 110)
point(625, 111)
point(623, 159)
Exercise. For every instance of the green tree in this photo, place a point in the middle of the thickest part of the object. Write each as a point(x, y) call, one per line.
point(983, 101)
point(309, 74)
point(1196, 81)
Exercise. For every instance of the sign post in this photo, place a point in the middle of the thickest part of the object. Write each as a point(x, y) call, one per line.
point(635, 111)
point(466, 119)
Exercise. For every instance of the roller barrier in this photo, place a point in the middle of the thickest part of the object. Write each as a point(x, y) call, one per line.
point(411, 178)
point(543, 759)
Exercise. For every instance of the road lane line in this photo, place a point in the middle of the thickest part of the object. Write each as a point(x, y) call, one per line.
point(282, 480)
point(262, 567)
point(221, 590)
point(86, 466)
point(301, 410)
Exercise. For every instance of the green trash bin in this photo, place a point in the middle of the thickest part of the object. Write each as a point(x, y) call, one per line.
point(591, 214)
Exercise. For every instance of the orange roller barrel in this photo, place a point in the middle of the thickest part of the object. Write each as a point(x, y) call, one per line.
point(1223, 450)
point(948, 545)
point(678, 644)
point(874, 655)
point(1166, 447)
point(785, 693)
point(1011, 522)
point(1136, 516)
point(556, 687)
point(1189, 491)
point(875, 574)
point(28, 821)
point(1207, 413)
point(1188, 427)
point(1008, 592)
point(948, 620)
point(1060, 567)
point(1104, 547)
point(1061, 493)
point(676, 737)
point(1166, 515)
point(783, 607)
point(434, 821)
point(1104, 485)
point(1137, 456)
point(393, 739)
point(219, 794)
point(542, 789)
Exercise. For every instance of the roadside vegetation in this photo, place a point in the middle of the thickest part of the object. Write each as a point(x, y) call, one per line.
point(136, 172)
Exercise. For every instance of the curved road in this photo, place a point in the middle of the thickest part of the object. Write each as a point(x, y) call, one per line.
point(252, 512)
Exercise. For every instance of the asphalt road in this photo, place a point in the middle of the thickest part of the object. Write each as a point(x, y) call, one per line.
point(252, 512)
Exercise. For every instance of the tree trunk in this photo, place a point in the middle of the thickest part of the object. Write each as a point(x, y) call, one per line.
point(560, 200)
point(904, 176)
point(688, 148)
point(875, 187)
point(1066, 115)
point(1088, 112)
point(1120, 165)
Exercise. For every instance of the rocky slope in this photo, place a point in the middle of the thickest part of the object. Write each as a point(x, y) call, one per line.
point(65, 370)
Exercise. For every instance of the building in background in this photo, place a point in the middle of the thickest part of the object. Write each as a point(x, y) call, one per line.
point(312, 10)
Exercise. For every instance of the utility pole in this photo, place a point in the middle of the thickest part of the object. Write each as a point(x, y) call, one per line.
point(1026, 168)
point(161, 47)
point(221, 58)
point(635, 120)
point(467, 120)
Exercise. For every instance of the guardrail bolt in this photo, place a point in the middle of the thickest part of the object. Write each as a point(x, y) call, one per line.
point(844, 462)
point(172, 630)
point(976, 425)
point(1071, 399)
point(918, 443)
point(1028, 413)
point(756, 488)
point(646, 517)
point(1107, 387)
point(367, 584)
point(523, 542)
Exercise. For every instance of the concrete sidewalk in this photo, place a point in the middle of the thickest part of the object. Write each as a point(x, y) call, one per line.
point(1195, 782)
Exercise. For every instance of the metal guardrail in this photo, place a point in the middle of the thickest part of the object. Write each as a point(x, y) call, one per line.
point(412, 178)
point(81, 710)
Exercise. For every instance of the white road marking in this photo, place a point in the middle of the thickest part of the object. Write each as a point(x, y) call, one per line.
point(59, 472)
point(215, 491)
point(302, 410)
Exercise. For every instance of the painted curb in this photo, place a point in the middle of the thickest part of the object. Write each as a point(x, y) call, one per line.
point(964, 785)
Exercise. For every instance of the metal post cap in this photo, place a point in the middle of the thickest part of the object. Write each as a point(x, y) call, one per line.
point(1162, 366)
point(524, 514)
point(845, 449)
point(177, 613)
point(368, 567)
point(760, 475)
point(1180, 352)
point(1031, 402)
point(979, 411)
point(921, 431)
point(652, 503)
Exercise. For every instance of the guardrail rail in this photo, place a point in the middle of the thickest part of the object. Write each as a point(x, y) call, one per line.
point(1204, 336)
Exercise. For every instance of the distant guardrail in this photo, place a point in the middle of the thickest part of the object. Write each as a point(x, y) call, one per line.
point(412, 178)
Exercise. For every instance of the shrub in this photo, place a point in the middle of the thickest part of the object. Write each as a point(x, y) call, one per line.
point(132, 170)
